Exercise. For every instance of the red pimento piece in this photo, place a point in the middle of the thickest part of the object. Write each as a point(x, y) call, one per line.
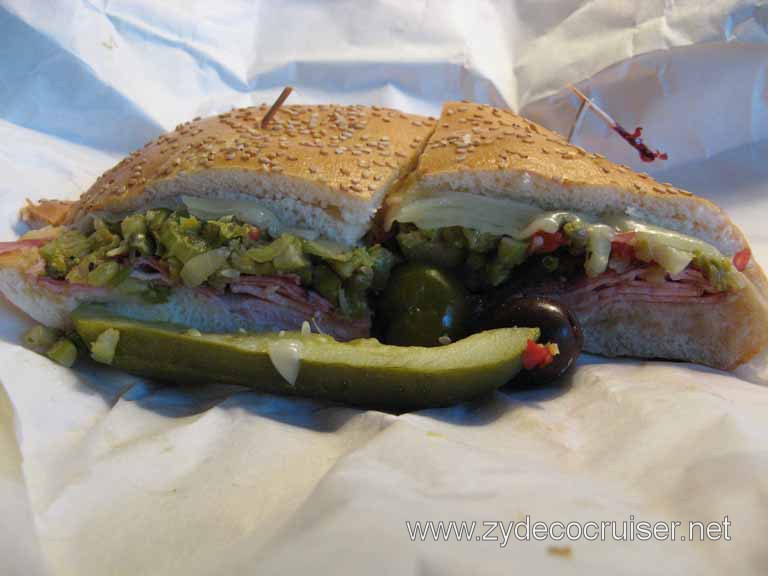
point(254, 233)
point(536, 356)
point(545, 242)
point(622, 251)
point(741, 259)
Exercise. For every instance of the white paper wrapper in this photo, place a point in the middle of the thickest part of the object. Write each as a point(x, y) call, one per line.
point(101, 473)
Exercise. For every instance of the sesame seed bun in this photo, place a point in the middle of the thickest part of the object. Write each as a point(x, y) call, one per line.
point(323, 167)
point(485, 150)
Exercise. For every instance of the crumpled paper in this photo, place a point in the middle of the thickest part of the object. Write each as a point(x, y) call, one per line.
point(103, 473)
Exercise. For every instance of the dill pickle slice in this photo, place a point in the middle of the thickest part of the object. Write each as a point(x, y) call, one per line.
point(361, 372)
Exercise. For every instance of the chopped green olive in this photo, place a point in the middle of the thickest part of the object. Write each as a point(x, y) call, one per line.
point(64, 252)
point(156, 218)
point(509, 254)
point(480, 241)
point(428, 247)
point(383, 262)
point(104, 273)
point(550, 263)
point(40, 338)
point(63, 352)
point(133, 224)
point(326, 283)
point(180, 241)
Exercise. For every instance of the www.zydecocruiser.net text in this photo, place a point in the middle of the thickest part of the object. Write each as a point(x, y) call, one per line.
point(527, 530)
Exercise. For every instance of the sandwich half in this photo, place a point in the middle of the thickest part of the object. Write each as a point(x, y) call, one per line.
point(649, 269)
point(223, 225)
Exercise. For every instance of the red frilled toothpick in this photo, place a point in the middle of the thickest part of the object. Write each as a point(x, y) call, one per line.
point(633, 138)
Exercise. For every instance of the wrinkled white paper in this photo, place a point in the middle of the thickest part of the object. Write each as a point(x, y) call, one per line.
point(103, 473)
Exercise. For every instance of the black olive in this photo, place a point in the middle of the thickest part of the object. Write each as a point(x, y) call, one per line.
point(556, 322)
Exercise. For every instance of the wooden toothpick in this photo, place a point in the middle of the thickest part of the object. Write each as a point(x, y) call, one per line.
point(276, 106)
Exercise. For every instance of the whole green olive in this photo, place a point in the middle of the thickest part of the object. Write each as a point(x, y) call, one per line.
point(420, 304)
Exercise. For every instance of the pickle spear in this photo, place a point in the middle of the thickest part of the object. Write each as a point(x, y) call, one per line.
point(361, 372)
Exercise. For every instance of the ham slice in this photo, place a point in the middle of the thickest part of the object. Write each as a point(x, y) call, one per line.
point(639, 284)
point(284, 289)
point(281, 302)
point(70, 288)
